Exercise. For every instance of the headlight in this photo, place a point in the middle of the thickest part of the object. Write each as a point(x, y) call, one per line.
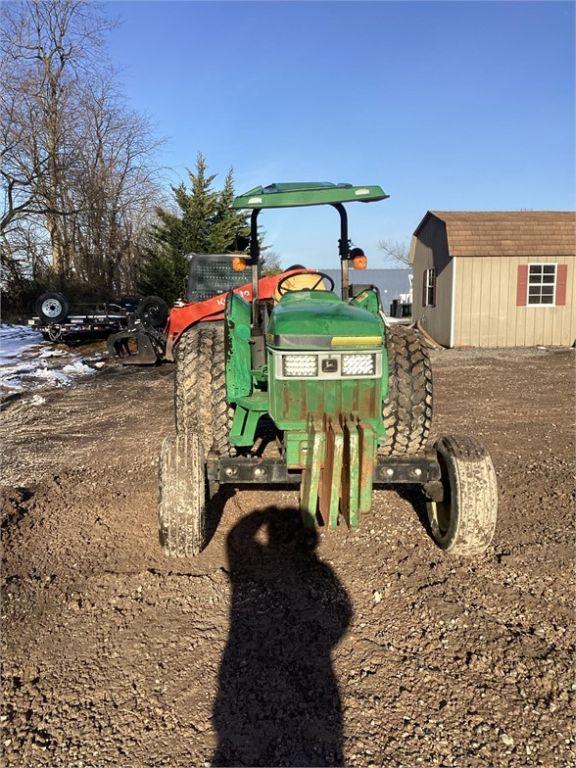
point(358, 365)
point(300, 365)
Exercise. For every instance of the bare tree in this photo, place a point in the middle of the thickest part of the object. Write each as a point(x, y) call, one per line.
point(76, 162)
point(117, 186)
point(18, 175)
point(270, 263)
point(24, 251)
point(397, 250)
point(46, 47)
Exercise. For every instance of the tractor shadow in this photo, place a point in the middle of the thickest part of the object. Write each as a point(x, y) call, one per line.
point(414, 495)
point(278, 701)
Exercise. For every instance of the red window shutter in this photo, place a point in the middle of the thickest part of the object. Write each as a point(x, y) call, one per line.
point(561, 276)
point(424, 288)
point(522, 285)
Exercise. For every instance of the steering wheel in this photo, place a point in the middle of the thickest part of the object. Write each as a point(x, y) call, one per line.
point(283, 290)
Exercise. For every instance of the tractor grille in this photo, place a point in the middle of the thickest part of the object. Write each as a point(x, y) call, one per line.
point(293, 401)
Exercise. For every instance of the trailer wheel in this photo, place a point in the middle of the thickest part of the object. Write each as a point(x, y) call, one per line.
point(182, 509)
point(52, 307)
point(152, 311)
point(200, 388)
point(463, 523)
point(407, 411)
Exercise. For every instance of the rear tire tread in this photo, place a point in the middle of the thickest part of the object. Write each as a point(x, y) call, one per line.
point(200, 388)
point(407, 411)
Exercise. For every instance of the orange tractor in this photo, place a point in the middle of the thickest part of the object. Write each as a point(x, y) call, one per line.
point(154, 335)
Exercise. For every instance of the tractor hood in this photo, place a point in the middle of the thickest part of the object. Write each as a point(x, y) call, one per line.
point(321, 320)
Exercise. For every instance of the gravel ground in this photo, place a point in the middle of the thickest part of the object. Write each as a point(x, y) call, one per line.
point(366, 649)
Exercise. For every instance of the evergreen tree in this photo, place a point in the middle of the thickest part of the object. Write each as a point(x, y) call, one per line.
point(203, 222)
point(165, 274)
point(230, 231)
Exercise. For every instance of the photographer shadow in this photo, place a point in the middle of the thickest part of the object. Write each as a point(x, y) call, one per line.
point(278, 702)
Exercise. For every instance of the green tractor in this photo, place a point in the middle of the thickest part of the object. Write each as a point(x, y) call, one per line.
point(314, 390)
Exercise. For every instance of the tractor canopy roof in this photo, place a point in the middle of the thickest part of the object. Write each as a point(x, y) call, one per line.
point(300, 193)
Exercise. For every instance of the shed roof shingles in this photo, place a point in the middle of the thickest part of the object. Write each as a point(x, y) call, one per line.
point(510, 233)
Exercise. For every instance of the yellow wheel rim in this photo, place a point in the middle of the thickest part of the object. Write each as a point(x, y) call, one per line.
point(439, 516)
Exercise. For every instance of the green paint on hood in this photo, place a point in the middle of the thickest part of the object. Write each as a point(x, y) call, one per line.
point(320, 313)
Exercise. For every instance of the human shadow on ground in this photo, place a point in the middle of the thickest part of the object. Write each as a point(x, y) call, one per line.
point(278, 702)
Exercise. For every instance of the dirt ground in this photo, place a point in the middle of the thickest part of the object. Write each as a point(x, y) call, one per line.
point(371, 648)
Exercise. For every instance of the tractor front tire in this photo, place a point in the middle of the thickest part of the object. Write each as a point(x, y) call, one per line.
point(463, 523)
point(200, 388)
point(407, 411)
point(182, 509)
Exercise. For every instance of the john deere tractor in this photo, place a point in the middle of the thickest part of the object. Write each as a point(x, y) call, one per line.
point(310, 389)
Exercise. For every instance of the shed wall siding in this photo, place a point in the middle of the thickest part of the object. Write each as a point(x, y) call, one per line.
point(429, 250)
point(486, 314)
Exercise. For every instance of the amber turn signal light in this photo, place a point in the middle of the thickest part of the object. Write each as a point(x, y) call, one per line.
point(239, 264)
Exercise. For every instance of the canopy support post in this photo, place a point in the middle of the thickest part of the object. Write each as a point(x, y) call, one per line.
point(255, 262)
point(344, 250)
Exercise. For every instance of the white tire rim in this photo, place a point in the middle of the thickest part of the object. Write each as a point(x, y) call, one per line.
point(51, 308)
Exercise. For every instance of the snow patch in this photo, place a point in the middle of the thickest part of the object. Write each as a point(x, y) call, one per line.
point(52, 375)
point(27, 362)
point(51, 353)
point(12, 385)
point(78, 368)
point(15, 339)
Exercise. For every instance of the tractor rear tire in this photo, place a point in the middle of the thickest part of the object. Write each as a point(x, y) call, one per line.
point(182, 510)
point(465, 521)
point(407, 411)
point(200, 388)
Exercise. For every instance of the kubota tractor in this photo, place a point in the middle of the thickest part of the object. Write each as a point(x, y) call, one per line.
point(153, 332)
point(343, 401)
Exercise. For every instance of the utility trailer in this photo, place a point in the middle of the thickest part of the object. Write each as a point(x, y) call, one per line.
point(60, 321)
point(344, 400)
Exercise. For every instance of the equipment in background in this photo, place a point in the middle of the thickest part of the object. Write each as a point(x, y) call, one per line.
point(210, 278)
point(59, 320)
point(401, 306)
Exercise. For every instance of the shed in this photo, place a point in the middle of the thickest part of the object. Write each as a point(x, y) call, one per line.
point(496, 278)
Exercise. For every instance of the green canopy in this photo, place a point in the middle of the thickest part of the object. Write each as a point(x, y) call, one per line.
point(307, 193)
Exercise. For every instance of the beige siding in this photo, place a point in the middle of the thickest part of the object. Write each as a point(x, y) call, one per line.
point(486, 314)
point(429, 250)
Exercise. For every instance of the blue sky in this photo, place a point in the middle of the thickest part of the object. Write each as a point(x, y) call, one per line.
point(451, 105)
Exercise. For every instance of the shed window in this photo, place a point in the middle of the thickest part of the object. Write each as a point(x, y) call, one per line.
point(541, 284)
point(429, 288)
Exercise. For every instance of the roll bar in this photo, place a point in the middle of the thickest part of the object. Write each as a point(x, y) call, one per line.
point(343, 250)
